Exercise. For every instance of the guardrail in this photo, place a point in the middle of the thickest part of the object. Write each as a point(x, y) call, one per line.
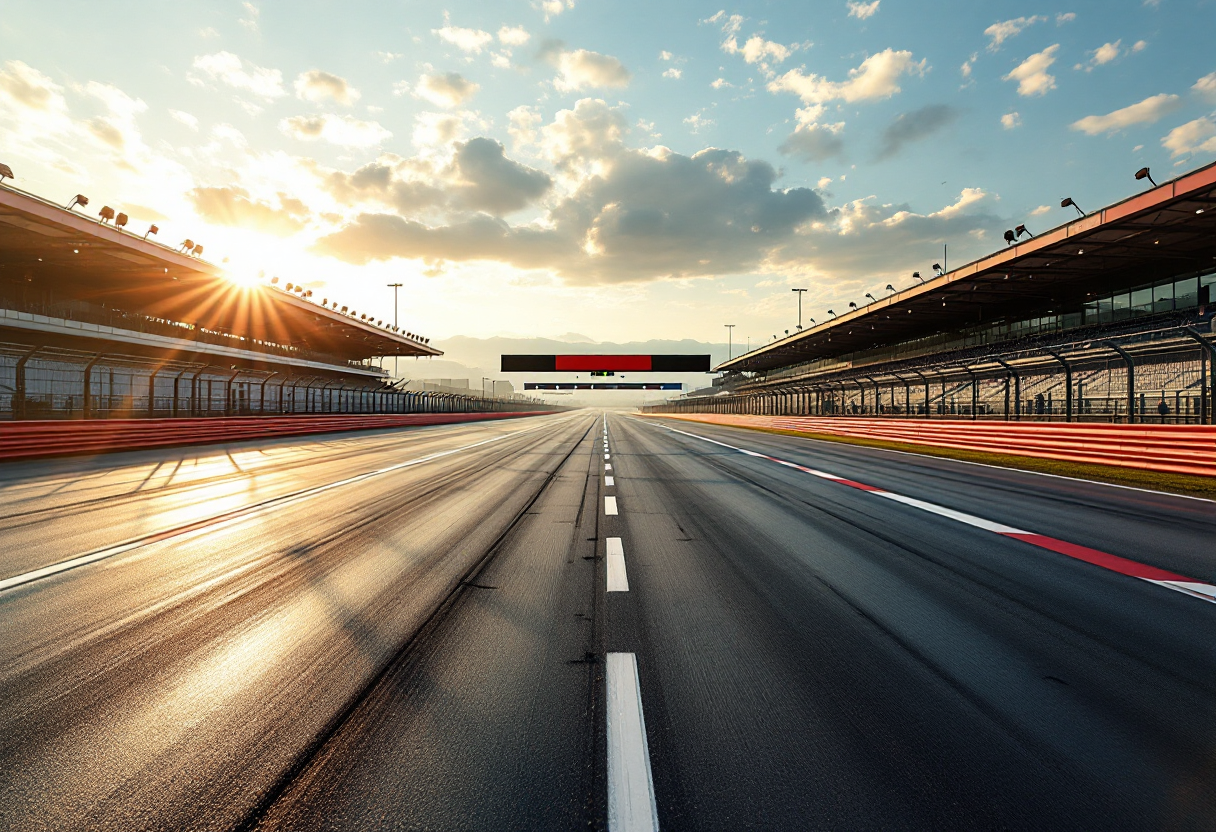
point(1176, 449)
point(26, 440)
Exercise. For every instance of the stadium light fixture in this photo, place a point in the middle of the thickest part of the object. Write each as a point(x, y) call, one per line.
point(937, 270)
point(1066, 201)
point(832, 312)
point(1020, 230)
point(79, 199)
point(890, 288)
point(812, 320)
point(6, 172)
point(1010, 237)
point(105, 214)
point(274, 280)
point(186, 245)
point(871, 297)
point(1144, 174)
point(197, 251)
point(918, 277)
point(852, 305)
point(152, 229)
point(121, 220)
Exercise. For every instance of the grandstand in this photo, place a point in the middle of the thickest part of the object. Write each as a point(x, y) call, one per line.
point(98, 321)
point(1106, 318)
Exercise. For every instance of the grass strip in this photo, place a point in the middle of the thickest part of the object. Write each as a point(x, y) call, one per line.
point(1189, 484)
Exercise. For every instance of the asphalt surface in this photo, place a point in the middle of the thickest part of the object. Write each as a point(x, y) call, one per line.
point(413, 629)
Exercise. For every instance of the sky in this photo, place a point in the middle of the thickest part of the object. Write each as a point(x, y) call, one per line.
point(620, 170)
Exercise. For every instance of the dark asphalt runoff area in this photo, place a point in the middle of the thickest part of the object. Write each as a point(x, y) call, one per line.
point(597, 621)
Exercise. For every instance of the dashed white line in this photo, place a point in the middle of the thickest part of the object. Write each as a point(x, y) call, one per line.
point(631, 804)
point(609, 481)
point(607, 466)
point(618, 579)
point(606, 456)
point(610, 505)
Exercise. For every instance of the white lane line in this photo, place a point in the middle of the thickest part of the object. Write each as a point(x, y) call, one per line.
point(962, 517)
point(618, 580)
point(220, 520)
point(609, 481)
point(610, 505)
point(607, 466)
point(631, 806)
point(606, 456)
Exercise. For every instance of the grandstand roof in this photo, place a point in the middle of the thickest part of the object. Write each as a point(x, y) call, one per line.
point(1165, 231)
point(83, 259)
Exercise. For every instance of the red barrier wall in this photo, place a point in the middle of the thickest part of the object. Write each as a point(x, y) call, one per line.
point(1176, 449)
point(24, 440)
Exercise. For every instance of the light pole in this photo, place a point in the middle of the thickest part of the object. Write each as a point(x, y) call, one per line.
point(395, 287)
point(799, 291)
point(729, 345)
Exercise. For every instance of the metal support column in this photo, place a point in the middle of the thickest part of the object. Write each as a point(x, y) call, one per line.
point(87, 404)
point(19, 384)
point(1017, 389)
point(1067, 383)
point(1131, 379)
point(1207, 371)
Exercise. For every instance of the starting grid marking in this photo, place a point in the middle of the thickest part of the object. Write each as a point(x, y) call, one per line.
point(1095, 557)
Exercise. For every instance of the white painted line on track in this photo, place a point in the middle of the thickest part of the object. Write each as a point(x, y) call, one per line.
point(607, 466)
point(609, 481)
point(1095, 557)
point(606, 456)
point(618, 579)
point(237, 514)
point(610, 505)
point(631, 805)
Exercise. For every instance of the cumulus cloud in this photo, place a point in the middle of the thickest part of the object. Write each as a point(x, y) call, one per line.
point(228, 69)
point(1040, 211)
point(1147, 111)
point(877, 77)
point(250, 20)
point(582, 68)
point(318, 86)
point(1206, 86)
point(814, 142)
point(466, 40)
point(436, 130)
point(482, 178)
point(756, 49)
point(552, 8)
point(513, 35)
point(673, 73)
point(968, 65)
point(1000, 32)
point(584, 139)
point(914, 126)
point(235, 207)
point(1065, 17)
point(451, 89)
point(1198, 136)
point(184, 118)
point(390, 181)
point(1011, 121)
point(335, 129)
point(1031, 74)
point(862, 10)
point(523, 122)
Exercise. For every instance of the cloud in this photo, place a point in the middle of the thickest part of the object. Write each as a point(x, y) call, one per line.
point(435, 130)
point(391, 182)
point(665, 55)
point(913, 126)
point(814, 142)
point(250, 21)
point(862, 10)
point(877, 77)
point(230, 70)
point(968, 66)
point(720, 83)
point(513, 35)
point(1011, 121)
point(756, 49)
point(672, 72)
point(466, 40)
point(1065, 17)
point(698, 122)
point(234, 206)
point(340, 130)
point(582, 68)
point(1105, 53)
point(482, 178)
point(1206, 86)
point(448, 90)
point(185, 118)
point(651, 215)
point(998, 33)
point(388, 57)
point(552, 8)
point(1198, 136)
point(317, 86)
point(1040, 211)
point(1147, 111)
point(523, 124)
point(1031, 74)
point(584, 139)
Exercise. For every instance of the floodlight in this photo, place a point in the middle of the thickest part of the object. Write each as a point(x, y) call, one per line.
point(852, 305)
point(1144, 174)
point(6, 172)
point(937, 269)
point(918, 277)
point(1010, 237)
point(197, 251)
point(1066, 201)
point(1020, 230)
point(890, 288)
point(812, 320)
point(871, 297)
point(186, 245)
point(289, 286)
point(343, 310)
point(106, 213)
point(152, 229)
point(121, 220)
point(82, 201)
point(274, 280)
point(832, 312)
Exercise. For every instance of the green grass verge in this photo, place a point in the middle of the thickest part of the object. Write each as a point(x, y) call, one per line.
point(1189, 484)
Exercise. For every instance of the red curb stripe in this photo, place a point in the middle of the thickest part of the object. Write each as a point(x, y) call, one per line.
point(1104, 559)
